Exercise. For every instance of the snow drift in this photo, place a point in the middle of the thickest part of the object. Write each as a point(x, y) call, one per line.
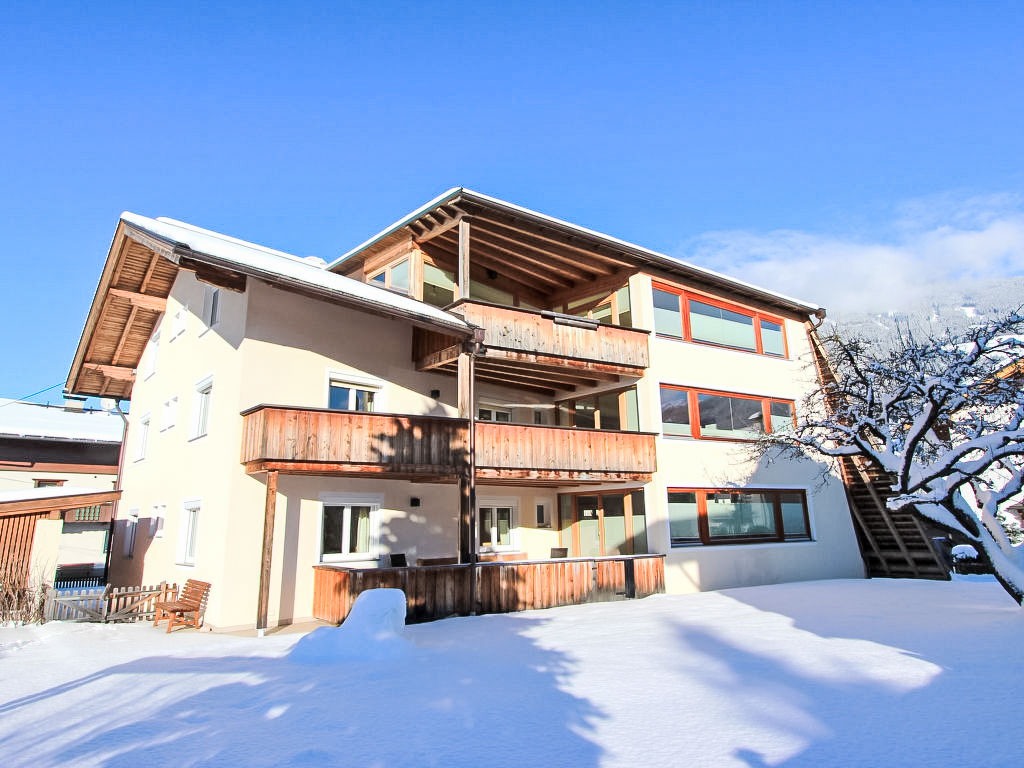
point(374, 630)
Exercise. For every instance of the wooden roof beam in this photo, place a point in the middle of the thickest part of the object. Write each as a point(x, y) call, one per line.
point(435, 226)
point(115, 372)
point(537, 236)
point(590, 272)
point(140, 300)
point(487, 257)
point(543, 259)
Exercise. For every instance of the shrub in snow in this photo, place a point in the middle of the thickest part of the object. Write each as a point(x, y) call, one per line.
point(967, 560)
point(21, 602)
point(373, 630)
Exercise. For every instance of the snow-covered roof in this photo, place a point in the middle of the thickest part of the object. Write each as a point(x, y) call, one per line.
point(53, 422)
point(659, 259)
point(280, 267)
point(52, 492)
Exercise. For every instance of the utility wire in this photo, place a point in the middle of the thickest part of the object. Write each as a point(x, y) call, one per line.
point(23, 397)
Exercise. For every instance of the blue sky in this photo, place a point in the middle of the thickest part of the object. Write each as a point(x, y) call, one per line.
point(756, 138)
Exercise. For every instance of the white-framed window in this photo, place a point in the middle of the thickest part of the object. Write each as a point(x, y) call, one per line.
point(211, 306)
point(349, 527)
point(494, 414)
point(179, 321)
point(156, 521)
point(143, 438)
point(130, 527)
point(152, 353)
point(170, 413)
point(188, 532)
point(351, 391)
point(496, 524)
point(201, 407)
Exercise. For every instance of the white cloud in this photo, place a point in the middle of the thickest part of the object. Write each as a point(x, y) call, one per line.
point(927, 242)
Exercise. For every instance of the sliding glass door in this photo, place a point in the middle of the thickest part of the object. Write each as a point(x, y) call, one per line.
point(597, 524)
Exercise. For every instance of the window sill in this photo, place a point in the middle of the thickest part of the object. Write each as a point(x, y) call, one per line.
point(185, 565)
point(699, 545)
point(197, 437)
point(725, 347)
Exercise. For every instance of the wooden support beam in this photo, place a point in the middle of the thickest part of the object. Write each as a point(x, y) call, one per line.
point(462, 276)
point(506, 264)
point(509, 381)
point(566, 377)
point(216, 276)
point(149, 272)
point(116, 359)
point(115, 372)
point(550, 256)
point(439, 358)
point(467, 489)
point(539, 236)
point(140, 300)
point(269, 510)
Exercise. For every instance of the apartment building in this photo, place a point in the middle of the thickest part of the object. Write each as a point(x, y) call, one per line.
point(476, 383)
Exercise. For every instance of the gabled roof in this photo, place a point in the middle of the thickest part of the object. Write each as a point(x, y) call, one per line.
point(53, 422)
point(143, 262)
point(468, 201)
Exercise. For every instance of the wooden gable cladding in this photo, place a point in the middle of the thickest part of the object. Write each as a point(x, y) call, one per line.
point(130, 298)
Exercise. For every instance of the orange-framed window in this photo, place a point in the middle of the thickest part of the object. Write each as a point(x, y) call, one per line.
point(708, 516)
point(594, 524)
point(712, 415)
point(679, 314)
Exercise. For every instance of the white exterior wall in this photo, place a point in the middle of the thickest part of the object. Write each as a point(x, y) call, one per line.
point(20, 479)
point(684, 462)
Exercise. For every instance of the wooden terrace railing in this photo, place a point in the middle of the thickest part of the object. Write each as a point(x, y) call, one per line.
point(321, 441)
point(437, 591)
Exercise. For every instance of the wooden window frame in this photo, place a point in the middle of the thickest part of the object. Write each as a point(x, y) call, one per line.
point(386, 271)
point(693, 401)
point(573, 544)
point(704, 528)
point(611, 298)
point(569, 406)
point(685, 296)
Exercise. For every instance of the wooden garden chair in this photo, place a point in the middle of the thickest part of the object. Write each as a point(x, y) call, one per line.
point(191, 600)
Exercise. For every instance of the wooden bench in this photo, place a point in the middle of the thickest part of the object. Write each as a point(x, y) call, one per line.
point(191, 600)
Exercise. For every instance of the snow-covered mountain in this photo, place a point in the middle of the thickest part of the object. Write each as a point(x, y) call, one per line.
point(955, 306)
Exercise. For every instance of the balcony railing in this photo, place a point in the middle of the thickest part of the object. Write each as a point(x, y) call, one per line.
point(321, 441)
point(555, 349)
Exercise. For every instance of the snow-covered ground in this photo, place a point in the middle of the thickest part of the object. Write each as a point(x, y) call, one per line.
point(834, 673)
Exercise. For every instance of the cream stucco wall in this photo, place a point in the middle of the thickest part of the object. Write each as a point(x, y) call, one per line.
point(45, 551)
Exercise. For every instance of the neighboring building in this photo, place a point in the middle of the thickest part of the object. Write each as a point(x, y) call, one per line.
point(58, 474)
point(615, 392)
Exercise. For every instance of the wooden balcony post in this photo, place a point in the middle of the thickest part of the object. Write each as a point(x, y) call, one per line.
point(463, 275)
point(467, 475)
point(268, 551)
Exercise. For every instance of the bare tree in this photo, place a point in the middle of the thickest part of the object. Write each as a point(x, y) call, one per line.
point(943, 416)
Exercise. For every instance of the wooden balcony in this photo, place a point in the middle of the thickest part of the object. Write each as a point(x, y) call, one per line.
point(437, 591)
point(321, 441)
point(539, 350)
point(532, 454)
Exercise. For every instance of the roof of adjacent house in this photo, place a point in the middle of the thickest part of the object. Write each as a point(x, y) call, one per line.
point(638, 252)
point(280, 267)
point(53, 422)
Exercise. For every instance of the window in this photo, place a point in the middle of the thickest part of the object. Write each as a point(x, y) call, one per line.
point(712, 516)
point(48, 483)
point(179, 322)
point(616, 410)
point(680, 315)
point(170, 413)
point(726, 416)
point(211, 306)
point(156, 521)
point(143, 438)
point(543, 509)
point(345, 396)
point(490, 293)
point(494, 414)
point(610, 309)
point(438, 285)
point(597, 524)
point(496, 520)
point(395, 276)
point(188, 533)
point(152, 352)
point(347, 530)
point(201, 411)
point(130, 526)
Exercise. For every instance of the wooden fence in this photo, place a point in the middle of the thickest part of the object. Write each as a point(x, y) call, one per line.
point(107, 604)
point(436, 591)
